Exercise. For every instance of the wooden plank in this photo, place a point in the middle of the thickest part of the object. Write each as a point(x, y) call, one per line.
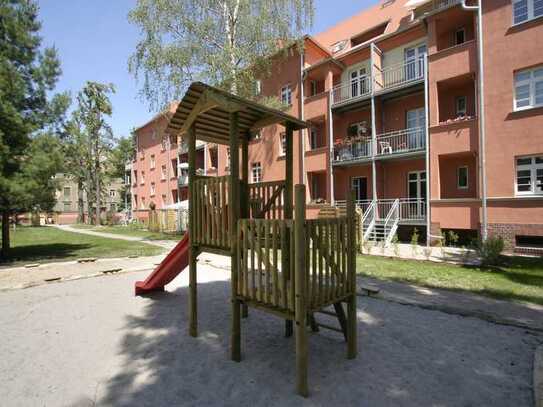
point(267, 291)
point(275, 233)
point(258, 228)
point(351, 264)
point(193, 302)
point(284, 265)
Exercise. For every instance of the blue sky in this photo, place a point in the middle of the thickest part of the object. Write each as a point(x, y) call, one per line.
point(94, 40)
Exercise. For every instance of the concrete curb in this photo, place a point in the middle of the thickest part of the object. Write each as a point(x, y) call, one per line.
point(538, 376)
point(382, 295)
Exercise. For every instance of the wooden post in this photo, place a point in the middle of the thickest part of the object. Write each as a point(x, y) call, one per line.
point(351, 275)
point(287, 205)
point(193, 298)
point(244, 198)
point(234, 206)
point(300, 293)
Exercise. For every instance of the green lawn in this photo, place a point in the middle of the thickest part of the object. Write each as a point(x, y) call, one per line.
point(47, 244)
point(519, 278)
point(131, 230)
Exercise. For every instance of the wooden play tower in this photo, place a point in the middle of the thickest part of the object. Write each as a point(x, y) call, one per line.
point(282, 264)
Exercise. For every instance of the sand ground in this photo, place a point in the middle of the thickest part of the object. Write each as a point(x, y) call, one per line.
point(91, 342)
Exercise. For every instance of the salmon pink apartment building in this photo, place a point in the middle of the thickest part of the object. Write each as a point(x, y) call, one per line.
point(431, 110)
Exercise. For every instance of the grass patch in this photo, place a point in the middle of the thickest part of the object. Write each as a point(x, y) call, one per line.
point(518, 278)
point(47, 244)
point(131, 230)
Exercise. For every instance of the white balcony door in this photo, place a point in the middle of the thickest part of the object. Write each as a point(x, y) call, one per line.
point(414, 61)
point(358, 84)
point(415, 123)
point(416, 190)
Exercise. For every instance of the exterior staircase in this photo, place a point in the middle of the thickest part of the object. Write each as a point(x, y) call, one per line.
point(380, 222)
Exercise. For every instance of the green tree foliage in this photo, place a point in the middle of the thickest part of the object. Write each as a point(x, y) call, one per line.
point(120, 155)
point(28, 73)
point(223, 42)
point(92, 111)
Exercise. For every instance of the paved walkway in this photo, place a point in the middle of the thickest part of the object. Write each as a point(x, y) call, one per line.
point(168, 244)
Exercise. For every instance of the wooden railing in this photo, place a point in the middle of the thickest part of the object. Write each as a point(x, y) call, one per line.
point(210, 203)
point(265, 269)
point(327, 279)
point(266, 200)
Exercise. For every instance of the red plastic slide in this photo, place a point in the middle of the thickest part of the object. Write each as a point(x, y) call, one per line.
point(174, 263)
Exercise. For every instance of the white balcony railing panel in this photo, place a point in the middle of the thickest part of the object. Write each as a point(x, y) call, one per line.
point(353, 151)
point(352, 90)
point(399, 75)
point(401, 141)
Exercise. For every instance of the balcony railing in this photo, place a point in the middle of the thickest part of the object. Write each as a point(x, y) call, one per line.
point(399, 75)
point(353, 151)
point(410, 209)
point(352, 90)
point(401, 141)
point(434, 6)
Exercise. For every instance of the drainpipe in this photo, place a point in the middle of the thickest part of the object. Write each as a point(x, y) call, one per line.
point(302, 131)
point(482, 131)
point(331, 144)
point(427, 138)
point(373, 129)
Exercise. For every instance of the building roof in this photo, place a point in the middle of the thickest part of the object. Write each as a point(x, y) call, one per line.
point(208, 108)
point(390, 12)
point(166, 113)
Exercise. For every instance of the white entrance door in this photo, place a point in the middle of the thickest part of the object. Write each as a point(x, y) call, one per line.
point(358, 82)
point(414, 62)
point(415, 122)
point(416, 190)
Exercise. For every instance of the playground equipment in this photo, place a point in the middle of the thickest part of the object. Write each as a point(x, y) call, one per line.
point(288, 267)
point(174, 263)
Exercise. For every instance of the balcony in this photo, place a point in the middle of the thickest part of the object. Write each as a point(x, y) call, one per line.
point(399, 76)
point(455, 137)
point(316, 106)
point(434, 6)
point(453, 62)
point(351, 91)
point(402, 142)
point(352, 151)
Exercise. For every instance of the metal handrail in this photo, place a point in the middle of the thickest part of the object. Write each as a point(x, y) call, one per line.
point(401, 141)
point(345, 90)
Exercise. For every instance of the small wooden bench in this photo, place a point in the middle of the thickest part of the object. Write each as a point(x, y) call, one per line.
point(368, 290)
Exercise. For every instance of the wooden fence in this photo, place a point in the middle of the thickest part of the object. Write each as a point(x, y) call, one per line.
point(210, 211)
point(266, 200)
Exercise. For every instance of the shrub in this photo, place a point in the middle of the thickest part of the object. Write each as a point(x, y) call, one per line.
point(490, 250)
point(452, 238)
point(415, 237)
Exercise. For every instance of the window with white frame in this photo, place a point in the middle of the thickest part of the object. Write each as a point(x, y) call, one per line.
point(153, 162)
point(164, 199)
point(462, 178)
point(461, 106)
point(164, 144)
point(142, 177)
point(286, 95)
point(460, 36)
point(153, 189)
point(163, 173)
point(525, 10)
point(282, 144)
point(529, 88)
point(112, 193)
point(258, 87)
point(314, 138)
point(256, 172)
point(529, 180)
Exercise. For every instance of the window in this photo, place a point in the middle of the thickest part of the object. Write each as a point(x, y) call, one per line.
point(163, 173)
point(135, 177)
point(153, 162)
point(313, 90)
point(67, 206)
point(214, 157)
point(153, 189)
point(142, 206)
point(164, 198)
point(174, 168)
point(258, 87)
point(112, 193)
point(256, 172)
point(164, 144)
point(314, 138)
point(529, 88)
point(113, 207)
point(282, 144)
point(67, 192)
point(529, 176)
point(524, 10)
point(461, 106)
point(153, 134)
point(286, 95)
point(460, 36)
point(339, 46)
point(462, 178)
point(142, 177)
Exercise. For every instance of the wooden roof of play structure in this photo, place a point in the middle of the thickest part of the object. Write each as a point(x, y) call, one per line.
point(209, 108)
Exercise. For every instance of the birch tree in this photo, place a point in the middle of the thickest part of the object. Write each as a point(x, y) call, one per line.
point(223, 42)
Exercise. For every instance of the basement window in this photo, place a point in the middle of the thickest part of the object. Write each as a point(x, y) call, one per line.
point(535, 242)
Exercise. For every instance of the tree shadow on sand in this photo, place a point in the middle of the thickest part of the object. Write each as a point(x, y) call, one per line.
point(404, 359)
